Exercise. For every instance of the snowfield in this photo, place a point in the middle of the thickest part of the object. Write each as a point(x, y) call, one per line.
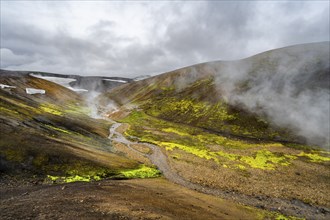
point(115, 80)
point(33, 91)
point(4, 86)
point(65, 82)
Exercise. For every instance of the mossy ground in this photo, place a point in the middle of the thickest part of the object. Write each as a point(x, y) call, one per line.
point(262, 155)
point(141, 172)
point(198, 104)
point(208, 159)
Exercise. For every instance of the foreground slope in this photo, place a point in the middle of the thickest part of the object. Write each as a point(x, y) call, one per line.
point(246, 128)
point(129, 199)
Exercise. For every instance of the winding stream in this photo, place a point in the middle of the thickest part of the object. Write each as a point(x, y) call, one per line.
point(158, 158)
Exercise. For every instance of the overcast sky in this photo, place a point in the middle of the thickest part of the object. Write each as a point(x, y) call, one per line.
point(136, 38)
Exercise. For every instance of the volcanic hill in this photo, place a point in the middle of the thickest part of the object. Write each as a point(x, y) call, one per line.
point(245, 139)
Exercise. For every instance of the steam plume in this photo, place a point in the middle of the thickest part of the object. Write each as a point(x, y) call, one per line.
point(289, 86)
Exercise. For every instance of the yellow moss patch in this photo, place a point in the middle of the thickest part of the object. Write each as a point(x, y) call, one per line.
point(314, 157)
point(228, 156)
point(265, 160)
point(173, 130)
point(283, 217)
point(189, 149)
point(59, 129)
point(70, 179)
point(2, 109)
point(53, 178)
point(142, 172)
point(77, 178)
point(195, 141)
point(52, 109)
point(241, 167)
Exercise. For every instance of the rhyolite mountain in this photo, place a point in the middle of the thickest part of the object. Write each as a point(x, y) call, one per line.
point(52, 133)
point(84, 83)
point(253, 131)
point(281, 94)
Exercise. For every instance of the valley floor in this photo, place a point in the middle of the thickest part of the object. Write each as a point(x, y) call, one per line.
point(117, 199)
point(290, 207)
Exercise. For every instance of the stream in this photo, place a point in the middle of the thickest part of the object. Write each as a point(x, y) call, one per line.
point(285, 206)
point(157, 157)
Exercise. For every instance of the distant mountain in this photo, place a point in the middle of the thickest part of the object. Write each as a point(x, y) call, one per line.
point(75, 82)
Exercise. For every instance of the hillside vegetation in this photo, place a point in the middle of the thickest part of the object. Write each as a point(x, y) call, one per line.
point(204, 119)
point(52, 135)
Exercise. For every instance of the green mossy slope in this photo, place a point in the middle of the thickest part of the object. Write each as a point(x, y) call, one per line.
point(50, 135)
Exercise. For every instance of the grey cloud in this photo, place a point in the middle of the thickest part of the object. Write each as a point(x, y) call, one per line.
point(214, 32)
point(178, 34)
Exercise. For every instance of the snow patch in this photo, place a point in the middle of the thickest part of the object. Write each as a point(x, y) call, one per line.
point(138, 78)
point(77, 90)
point(115, 80)
point(58, 80)
point(4, 86)
point(33, 91)
point(65, 82)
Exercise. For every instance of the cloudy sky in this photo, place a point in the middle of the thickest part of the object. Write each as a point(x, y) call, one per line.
point(136, 38)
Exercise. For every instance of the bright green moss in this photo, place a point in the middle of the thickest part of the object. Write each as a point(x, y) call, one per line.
point(188, 110)
point(314, 157)
point(195, 141)
point(283, 217)
point(202, 153)
point(53, 178)
point(265, 160)
point(59, 129)
point(134, 117)
point(7, 110)
point(193, 136)
point(52, 109)
point(176, 131)
point(277, 216)
point(142, 172)
point(70, 179)
point(77, 178)
point(78, 172)
point(241, 167)
point(228, 156)
point(193, 107)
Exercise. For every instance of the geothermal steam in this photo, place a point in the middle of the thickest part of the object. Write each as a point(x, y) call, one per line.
point(289, 86)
